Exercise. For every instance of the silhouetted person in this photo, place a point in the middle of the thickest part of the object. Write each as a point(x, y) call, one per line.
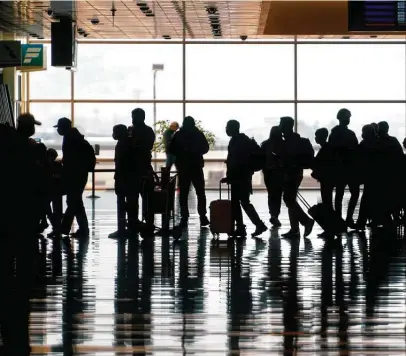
point(18, 222)
point(239, 176)
point(294, 160)
point(389, 143)
point(324, 168)
point(273, 173)
point(167, 139)
point(345, 143)
point(367, 156)
point(120, 134)
point(75, 174)
point(138, 170)
point(189, 145)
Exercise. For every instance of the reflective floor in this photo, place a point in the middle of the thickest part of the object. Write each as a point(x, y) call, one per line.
point(267, 296)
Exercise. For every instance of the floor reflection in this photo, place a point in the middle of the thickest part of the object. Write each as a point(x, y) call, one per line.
point(191, 297)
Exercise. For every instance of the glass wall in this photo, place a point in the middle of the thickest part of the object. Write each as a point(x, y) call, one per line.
point(255, 83)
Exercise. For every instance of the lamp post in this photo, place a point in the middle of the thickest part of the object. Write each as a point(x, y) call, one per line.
point(155, 68)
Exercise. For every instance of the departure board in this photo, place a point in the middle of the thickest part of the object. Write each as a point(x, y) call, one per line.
point(377, 16)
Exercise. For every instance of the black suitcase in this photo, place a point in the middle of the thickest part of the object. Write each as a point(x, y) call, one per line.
point(328, 219)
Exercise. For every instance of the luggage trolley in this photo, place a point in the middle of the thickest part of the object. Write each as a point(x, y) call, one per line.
point(162, 199)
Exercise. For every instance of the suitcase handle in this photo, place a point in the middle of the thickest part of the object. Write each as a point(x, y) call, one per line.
point(303, 201)
point(228, 190)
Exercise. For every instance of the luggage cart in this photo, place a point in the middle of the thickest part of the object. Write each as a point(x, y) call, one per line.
point(161, 199)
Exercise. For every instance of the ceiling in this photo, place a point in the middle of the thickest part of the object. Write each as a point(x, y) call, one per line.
point(232, 19)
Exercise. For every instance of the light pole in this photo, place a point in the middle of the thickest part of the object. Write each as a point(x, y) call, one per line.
point(155, 69)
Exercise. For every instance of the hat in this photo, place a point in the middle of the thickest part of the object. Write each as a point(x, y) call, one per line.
point(27, 119)
point(63, 122)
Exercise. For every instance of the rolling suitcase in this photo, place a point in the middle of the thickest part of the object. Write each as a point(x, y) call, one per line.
point(221, 220)
point(328, 219)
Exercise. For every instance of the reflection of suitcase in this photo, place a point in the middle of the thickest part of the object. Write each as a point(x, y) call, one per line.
point(221, 221)
point(328, 219)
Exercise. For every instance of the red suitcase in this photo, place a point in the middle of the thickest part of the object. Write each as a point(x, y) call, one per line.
point(221, 221)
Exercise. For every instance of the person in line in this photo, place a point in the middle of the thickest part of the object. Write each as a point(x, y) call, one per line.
point(167, 139)
point(367, 161)
point(323, 167)
point(298, 154)
point(120, 134)
point(75, 175)
point(344, 143)
point(389, 173)
point(239, 176)
point(20, 206)
point(55, 214)
point(137, 172)
point(189, 145)
point(273, 173)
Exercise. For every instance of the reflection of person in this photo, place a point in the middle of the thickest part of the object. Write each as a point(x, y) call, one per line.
point(167, 138)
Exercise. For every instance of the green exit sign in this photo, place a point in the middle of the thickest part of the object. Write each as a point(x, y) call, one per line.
point(32, 55)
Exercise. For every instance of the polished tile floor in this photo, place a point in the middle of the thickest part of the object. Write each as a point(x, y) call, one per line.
point(258, 297)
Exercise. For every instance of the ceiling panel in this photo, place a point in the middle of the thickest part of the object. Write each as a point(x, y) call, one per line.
point(234, 18)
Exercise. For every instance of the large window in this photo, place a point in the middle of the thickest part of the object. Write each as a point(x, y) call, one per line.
point(351, 72)
point(253, 83)
point(239, 72)
point(256, 120)
point(53, 83)
point(124, 72)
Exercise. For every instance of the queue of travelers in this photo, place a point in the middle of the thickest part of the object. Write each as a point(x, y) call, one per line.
point(376, 163)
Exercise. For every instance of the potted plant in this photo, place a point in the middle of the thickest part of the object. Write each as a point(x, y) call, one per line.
point(162, 125)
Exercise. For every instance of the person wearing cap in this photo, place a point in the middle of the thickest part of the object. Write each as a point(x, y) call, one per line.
point(167, 138)
point(189, 145)
point(26, 126)
point(344, 144)
point(75, 175)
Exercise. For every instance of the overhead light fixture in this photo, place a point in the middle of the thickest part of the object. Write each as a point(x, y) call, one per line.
point(166, 37)
point(211, 10)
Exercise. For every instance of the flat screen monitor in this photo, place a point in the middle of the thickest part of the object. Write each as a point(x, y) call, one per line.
point(377, 16)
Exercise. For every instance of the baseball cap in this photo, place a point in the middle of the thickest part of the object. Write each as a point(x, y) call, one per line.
point(64, 122)
point(27, 119)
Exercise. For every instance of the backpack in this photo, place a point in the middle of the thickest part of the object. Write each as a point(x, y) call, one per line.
point(89, 156)
point(306, 155)
point(256, 157)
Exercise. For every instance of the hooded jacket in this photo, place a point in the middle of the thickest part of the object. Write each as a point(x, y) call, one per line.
point(189, 145)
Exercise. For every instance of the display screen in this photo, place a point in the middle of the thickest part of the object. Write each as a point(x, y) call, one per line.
point(377, 16)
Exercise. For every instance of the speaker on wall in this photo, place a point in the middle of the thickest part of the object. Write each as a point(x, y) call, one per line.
point(62, 43)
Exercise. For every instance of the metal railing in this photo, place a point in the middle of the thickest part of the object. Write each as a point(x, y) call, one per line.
point(102, 178)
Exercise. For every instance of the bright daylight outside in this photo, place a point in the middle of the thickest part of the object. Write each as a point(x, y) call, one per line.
point(252, 83)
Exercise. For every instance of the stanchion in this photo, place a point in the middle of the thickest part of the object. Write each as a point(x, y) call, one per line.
point(93, 195)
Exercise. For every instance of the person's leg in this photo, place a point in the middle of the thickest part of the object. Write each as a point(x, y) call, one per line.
point(354, 190)
point(296, 213)
point(338, 200)
point(121, 212)
point(199, 185)
point(236, 207)
point(57, 213)
point(80, 212)
point(69, 215)
point(185, 181)
point(252, 214)
point(269, 188)
point(276, 198)
point(326, 190)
